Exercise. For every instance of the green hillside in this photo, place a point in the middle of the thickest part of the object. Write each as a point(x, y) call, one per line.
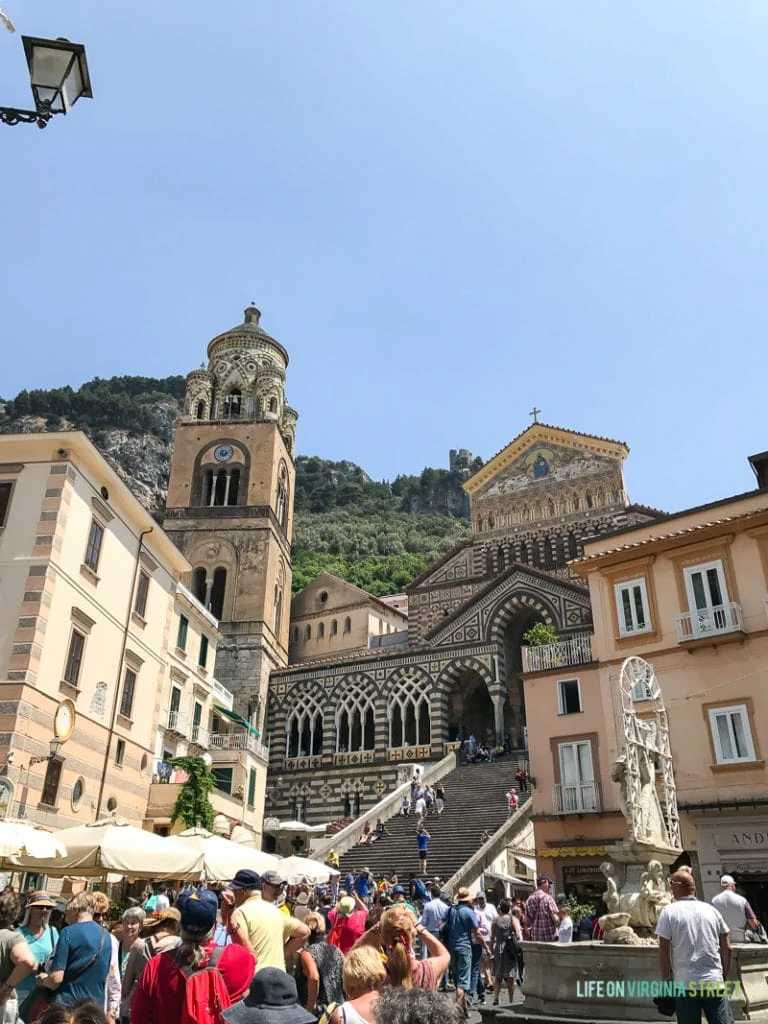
point(378, 535)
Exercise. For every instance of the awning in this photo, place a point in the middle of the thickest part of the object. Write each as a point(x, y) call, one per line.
point(518, 883)
point(527, 862)
point(234, 717)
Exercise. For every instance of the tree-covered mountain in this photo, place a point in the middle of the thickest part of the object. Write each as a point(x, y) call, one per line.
point(378, 535)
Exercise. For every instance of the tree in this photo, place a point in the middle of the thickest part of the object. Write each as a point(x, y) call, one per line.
point(540, 634)
point(193, 804)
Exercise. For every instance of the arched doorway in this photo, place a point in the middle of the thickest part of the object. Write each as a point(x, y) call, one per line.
point(470, 708)
point(514, 708)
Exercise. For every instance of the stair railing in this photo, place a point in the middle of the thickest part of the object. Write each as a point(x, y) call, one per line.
point(386, 808)
point(481, 860)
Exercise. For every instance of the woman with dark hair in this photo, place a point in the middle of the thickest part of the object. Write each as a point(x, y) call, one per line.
point(16, 958)
point(318, 972)
point(159, 996)
point(86, 1012)
point(506, 936)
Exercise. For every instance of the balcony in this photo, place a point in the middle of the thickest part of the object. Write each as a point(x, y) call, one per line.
point(238, 739)
point(708, 622)
point(576, 650)
point(576, 798)
point(223, 696)
point(199, 736)
point(178, 723)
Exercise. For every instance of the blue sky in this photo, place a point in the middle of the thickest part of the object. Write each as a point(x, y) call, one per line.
point(447, 212)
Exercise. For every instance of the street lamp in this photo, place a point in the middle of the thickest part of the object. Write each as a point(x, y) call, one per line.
point(55, 746)
point(58, 74)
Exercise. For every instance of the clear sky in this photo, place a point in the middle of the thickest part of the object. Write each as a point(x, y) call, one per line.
point(447, 212)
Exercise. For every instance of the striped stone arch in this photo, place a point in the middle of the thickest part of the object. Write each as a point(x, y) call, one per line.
point(408, 672)
point(357, 680)
point(511, 606)
point(454, 669)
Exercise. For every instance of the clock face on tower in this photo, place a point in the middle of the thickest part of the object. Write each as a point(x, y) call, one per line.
point(64, 720)
point(223, 453)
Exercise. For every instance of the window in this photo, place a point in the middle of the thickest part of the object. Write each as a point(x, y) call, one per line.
point(334, 627)
point(78, 792)
point(320, 630)
point(347, 625)
point(295, 634)
point(218, 590)
point(578, 790)
point(568, 697)
point(354, 721)
point(278, 623)
point(304, 731)
point(51, 784)
point(252, 788)
point(408, 711)
point(308, 633)
point(174, 716)
point(129, 689)
point(222, 779)
point(281, 504)
point(632, 607)
point(181, 636)
point(732, 734)
point(199, 578)
point(233, 403)
point(5, 500)
point(142, 591)
point(707, 598)
point(74, 658)
point(202, 659)
point(197, 717)
point(119, 753)
point(92, 552)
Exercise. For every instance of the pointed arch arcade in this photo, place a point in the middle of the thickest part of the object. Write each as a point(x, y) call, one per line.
point(356, 715)
point(409, 708)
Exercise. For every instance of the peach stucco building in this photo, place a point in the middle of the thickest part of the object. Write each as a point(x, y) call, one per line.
point(106, 661)
point(689, 593)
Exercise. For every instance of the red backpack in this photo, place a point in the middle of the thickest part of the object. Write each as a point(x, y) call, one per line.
point(205, 994)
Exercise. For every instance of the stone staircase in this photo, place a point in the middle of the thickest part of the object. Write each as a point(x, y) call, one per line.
point(474, 803)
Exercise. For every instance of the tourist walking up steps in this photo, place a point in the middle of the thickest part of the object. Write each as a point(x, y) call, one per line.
point(694, 947)
point(422, 841)
point(737, 912)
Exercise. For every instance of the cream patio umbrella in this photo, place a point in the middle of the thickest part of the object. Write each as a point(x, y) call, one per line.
point(296, 869)
point(222, 858)
point(112, 845)
point(20, 838)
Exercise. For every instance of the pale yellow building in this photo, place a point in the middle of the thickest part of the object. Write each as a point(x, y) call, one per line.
point(330, 616)
point(87, 581)
point(688, 593)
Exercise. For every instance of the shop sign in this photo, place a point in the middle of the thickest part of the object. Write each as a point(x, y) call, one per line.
point(582, 869)
point(748, 867)
point(736, 839)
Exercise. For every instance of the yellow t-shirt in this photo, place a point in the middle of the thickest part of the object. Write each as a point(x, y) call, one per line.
point(267, 928)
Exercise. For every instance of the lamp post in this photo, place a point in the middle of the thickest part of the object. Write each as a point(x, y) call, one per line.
point(58, 75)
point(54, 746)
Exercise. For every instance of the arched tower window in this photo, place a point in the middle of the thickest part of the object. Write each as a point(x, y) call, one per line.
point(221, 486)
point(536, 553)
point(408, 712)
point(233, 404)
point(295, 633)
point(273, 404)
point(320, 630)
point(198, 585)
point(355, 728)
point(524, 552)
point(308, 632)
point(278, 610)
point(200, 411)
point(218, 590)
point(304, 730)
point(501, 557)
point(560, 551)
point(281, 505)
point(347, 625)
point(549, 561)
point(334, 627)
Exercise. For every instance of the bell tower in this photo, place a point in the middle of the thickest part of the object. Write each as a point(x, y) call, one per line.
point(230, 504)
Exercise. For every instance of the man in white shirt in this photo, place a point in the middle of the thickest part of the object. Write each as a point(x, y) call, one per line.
point(694, 949)
point(737, 912)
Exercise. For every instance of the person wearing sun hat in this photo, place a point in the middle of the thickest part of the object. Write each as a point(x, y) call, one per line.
point(40, 935)
point(271, 999)
point(159, 934)
point(347, 922)
point(463, 930)
point(159, 996)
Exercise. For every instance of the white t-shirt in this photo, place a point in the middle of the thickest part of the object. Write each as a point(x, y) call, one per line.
point(693, 929)
point(565, 930)
point(735, 910)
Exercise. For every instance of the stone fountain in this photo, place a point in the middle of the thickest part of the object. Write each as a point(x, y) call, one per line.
point(610, 980)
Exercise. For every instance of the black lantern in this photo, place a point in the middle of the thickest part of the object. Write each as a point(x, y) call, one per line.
point(58, 74)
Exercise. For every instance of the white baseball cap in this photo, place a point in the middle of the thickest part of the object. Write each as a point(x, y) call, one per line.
point(727, 880)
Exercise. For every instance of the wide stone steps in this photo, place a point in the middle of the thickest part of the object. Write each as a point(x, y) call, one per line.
point(475, 803)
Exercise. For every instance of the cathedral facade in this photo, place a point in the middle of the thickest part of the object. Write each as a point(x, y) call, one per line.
point(339, 727)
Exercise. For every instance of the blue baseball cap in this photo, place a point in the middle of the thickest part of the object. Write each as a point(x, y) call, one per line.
point(198, 913)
